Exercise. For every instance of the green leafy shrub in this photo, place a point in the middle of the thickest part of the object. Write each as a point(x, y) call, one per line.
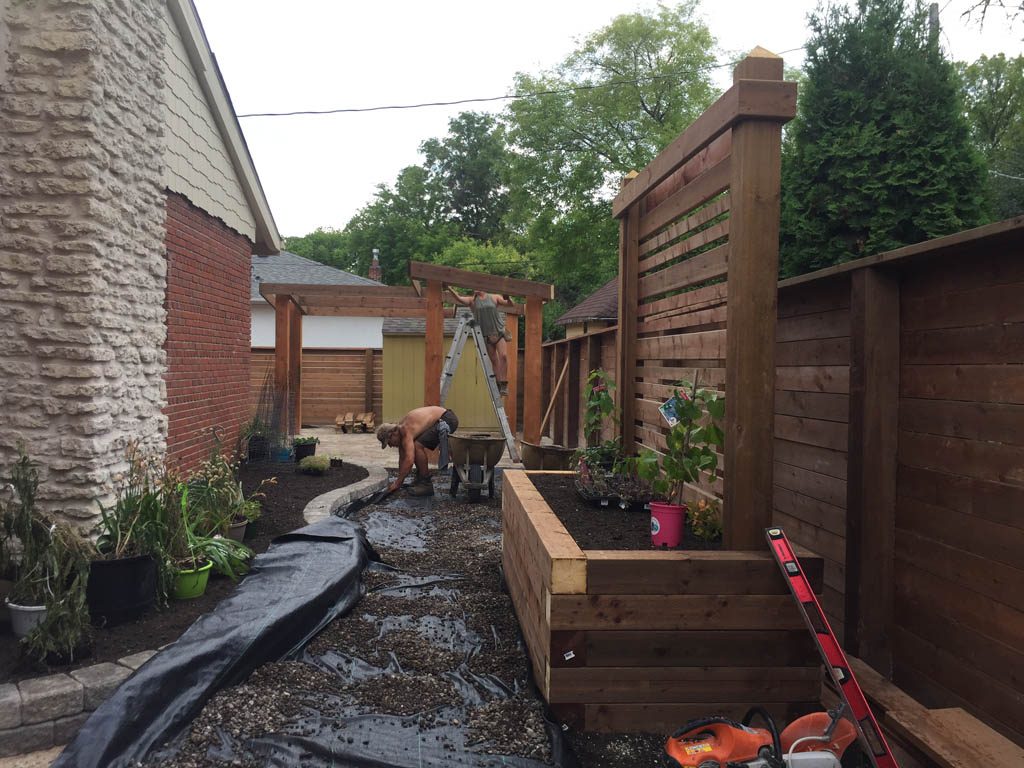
point(310, 440)
point(706, 520)
point(315, 465)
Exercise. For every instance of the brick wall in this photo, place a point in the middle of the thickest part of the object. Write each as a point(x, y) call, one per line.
point(208, 352)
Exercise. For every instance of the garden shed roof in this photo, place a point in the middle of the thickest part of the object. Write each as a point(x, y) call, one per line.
point(602, 304)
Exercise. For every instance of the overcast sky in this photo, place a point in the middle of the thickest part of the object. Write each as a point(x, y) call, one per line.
point(317, 171)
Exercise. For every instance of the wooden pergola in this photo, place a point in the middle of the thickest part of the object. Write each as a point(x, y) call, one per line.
point(424, 298)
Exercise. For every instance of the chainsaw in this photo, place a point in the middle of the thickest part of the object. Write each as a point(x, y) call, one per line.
point(818, 740)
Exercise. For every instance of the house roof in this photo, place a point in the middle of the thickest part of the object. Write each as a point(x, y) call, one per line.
point(602, 304)
point(415, 326)
point(287, 267)
point(186, 19)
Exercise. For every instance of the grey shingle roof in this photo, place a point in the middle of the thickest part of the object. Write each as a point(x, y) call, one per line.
point(415, 326)
point(286, 267)
point(602, 304)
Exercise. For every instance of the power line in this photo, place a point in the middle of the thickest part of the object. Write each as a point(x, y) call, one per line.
point(507, 97)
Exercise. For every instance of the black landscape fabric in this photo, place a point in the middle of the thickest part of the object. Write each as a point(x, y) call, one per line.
point(300, 584)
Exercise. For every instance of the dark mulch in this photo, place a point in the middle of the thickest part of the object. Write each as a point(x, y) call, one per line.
point(597, 527)
point(282, 512)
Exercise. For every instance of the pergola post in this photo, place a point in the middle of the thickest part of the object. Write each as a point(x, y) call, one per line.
point(434, 345)
point(282, 354)
point(533, 370)
point(295, 366)
point(512, 400)
point(755, 192)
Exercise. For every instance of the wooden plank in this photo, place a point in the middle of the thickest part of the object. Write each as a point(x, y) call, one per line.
point(813, 352)
point(989, 422)
point(295, 367)
point(282, 355)
point(746, 99)
point(433, 346)
point(987, 305)
point(614, 648)
point(682, 227)
point(563, 559)
point(629, 245)
point(673, 612)
point(314, 311)
point(750, 363)
point(829, 324)
point(814, 298)
point(813, 537)
point(997, 502)
point(994, 541)
point(370, 292)
point(813, 405)
point(611, 572)
point(812, 457)
point(705, 345)
point(986, 461)
point(713, 181)
point(1001, 583)
point(985, 745)
point(824, 434)
point(512, 399)
point(831, 490)
point(979, 345)
point(480, 281)
point(814, 378)
point(648, 685)
point(368, 380)
point(360, 302)
point(532, 370)
point(700, 239)
point(696, 269)
point(974, 383)
point(699, 298)
point(702, 320)
point(573, 385)
point(826, 516)
point(666, 718)
point(712, 378)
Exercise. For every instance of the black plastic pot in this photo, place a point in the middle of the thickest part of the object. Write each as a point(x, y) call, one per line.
point(302, 450)
point(120, 590)
point(259, 448)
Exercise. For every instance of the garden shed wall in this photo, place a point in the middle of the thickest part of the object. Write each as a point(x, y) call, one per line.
point(82, 270)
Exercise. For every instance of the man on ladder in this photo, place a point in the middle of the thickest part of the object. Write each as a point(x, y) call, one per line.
point(491, 322)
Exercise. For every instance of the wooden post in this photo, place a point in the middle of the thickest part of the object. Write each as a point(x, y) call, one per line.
point(750, 355)
point(295, 366)
point(282, 357)
point(532, 370)
point(872, 465)
point(434, 347)
point(368, 381)
point(512, 400)
point(559, 360)
point(625, 364)
point(572, 396)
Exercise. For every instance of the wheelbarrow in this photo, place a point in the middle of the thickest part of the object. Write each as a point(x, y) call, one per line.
point(474, 457)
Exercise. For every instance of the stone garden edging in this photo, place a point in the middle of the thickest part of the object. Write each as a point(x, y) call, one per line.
point(327, 504)
point(44, 712)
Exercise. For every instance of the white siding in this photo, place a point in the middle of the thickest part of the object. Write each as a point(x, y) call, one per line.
point(197, 162)
point(321, 332)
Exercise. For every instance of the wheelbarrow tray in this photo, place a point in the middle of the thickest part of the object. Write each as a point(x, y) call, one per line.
point(474, 457)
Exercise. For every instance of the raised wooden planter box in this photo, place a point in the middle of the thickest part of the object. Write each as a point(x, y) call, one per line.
point(646, 640)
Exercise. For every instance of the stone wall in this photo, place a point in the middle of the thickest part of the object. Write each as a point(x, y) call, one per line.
point(208, 355)
point(82, 269)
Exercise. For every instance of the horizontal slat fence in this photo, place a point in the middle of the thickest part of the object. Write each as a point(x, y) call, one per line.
point(334, 382)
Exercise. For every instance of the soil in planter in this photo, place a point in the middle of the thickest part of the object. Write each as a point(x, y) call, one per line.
point(596, 527)
point(282, 512)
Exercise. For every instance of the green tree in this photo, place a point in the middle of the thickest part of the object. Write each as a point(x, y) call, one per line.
point(879, 155)
point(993, 90)
point(465, 169)
point(494, 259)
point(328, 246)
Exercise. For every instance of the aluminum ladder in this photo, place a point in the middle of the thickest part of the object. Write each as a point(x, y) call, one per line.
point(468, 328)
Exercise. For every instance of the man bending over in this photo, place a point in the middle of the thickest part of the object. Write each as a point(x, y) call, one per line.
point(419, 431)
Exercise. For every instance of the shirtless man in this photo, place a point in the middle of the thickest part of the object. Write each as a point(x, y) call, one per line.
point(413, 436)
point(492, 324)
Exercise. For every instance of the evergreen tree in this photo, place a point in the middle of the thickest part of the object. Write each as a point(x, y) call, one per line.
point(879, 155)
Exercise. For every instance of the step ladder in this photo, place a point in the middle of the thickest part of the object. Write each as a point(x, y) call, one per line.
point(466, 329)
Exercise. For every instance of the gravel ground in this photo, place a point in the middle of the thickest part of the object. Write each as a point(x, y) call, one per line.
point(431, 655)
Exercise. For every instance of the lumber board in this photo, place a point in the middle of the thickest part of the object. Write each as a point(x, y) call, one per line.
point(692, 300)
point(820, 460)
point(721, 572)
point(996, 462)
point(696, 269)
point(369, 292)
point(823, 295)
point(987, 746)
point(646, 685)
point(827, 324)
point(978, 345)
point(683, 227)
point(988, 422)
point(702, 320)
point(974, 383)
point(987, 306)
point(831, 490)
point(464, 278)
point(662, 719)
point(673, 612)
point(990, 264)
point(814, 378)
point(703, 345)
point(813, 352)
point(818, 432)
point(710, 378)
point(811, 511)
point(997, 502)
point(826, 406)
point(694, 648)
point(700, 239)
point(1002, 543)
point(815, 537)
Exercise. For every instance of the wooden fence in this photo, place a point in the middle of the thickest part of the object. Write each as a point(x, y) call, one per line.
point(334, 381)
point(899, 457)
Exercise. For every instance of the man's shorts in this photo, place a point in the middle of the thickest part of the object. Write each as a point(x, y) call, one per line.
point(429, 438)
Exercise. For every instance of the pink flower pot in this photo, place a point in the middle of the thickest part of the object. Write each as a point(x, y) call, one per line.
point(667, 524)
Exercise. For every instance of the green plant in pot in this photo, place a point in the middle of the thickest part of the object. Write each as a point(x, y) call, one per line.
point(47, 599)
point(193, 553)
point(596, 462)
point(256, 433)
point(304, 446)
point(689, 455)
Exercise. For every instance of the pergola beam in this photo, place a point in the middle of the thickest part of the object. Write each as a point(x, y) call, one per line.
point(479, 281)
point(338, 291)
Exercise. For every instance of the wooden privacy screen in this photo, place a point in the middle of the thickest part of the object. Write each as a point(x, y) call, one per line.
point(700, 222)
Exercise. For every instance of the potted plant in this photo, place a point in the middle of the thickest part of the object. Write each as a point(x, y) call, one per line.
point(304, 446)
point(694, 415)
point(257, 437)
point(193, 554)
point(47, 599)
point(595, 464)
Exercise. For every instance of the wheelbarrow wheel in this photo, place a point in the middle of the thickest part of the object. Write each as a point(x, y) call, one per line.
point(476, 481)
point(455, 481)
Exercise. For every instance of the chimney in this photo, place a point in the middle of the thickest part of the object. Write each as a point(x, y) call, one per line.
point(375, 273)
